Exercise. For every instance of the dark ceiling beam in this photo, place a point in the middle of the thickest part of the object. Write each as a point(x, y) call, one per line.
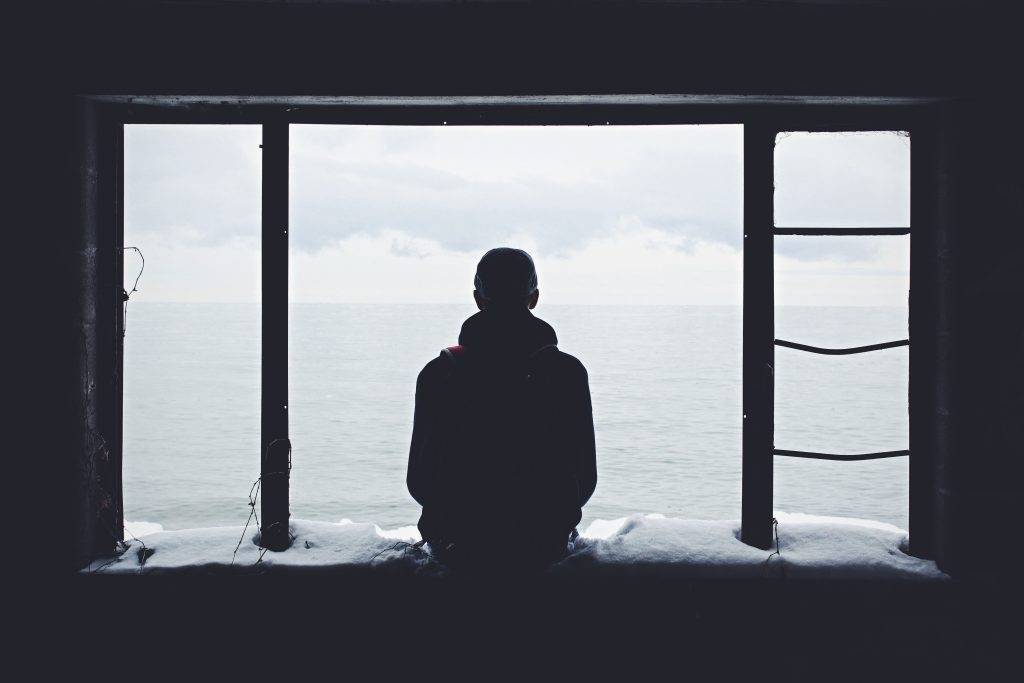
point(734, 48)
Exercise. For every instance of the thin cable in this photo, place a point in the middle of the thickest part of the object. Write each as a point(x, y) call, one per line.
point(252, 504)
point(254, 494)
point(414, 546)
point(105, 565)
point(287, 475)
point(778, 551)
point(135, 287)
point(145, 552)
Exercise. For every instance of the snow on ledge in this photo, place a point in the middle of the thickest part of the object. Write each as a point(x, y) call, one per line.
point(811, 547)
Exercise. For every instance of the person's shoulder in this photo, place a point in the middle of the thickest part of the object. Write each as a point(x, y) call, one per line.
point(434, 369)
point(569, 364)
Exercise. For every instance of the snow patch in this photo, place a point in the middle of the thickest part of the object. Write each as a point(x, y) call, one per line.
point(603, 528)
point(809, 547)
point(801, 518)
point(402, 533)
point(139, 529)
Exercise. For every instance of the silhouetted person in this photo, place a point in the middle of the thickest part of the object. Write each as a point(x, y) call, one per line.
point(502, 456)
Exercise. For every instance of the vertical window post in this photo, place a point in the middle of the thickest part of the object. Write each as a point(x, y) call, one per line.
point(275, 447)
point(95, 469)
point(112, 296)
point(758, 333)
point(929, 333)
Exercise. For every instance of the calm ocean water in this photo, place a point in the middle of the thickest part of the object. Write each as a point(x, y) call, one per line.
point(666, 392)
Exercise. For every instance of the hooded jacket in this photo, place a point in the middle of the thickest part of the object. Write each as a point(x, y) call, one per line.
point(502, 450)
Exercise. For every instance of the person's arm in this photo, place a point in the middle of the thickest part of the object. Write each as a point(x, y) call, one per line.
point(422, 451)
point(581, 435)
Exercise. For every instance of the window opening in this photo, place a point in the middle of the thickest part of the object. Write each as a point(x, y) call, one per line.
point(636, 232)
point(192, 342)
point(846, 180)
point(839, 377)
point(772, 230)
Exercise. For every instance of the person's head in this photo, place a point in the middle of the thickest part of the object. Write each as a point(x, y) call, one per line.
point(506, 279)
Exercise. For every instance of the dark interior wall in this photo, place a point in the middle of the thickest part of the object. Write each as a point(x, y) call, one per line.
point(984, 484)
point(39, 201)
point(60, 224)
point(737, 48)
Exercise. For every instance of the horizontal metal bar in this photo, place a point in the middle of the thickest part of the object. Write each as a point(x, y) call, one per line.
point(845, 457)
point(818, 232)
point(842, 352)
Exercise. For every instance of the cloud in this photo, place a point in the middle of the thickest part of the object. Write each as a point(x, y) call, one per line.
point(840, 180)
point(403, 245)
point(196, 183)
point(465, 188)
point(403, 208)
point(471, 188)
point(849, 278)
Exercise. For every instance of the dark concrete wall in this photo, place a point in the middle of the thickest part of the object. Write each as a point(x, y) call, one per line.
point(984, 484)
point(59, 251)
point(42, 414)
point(493, 48)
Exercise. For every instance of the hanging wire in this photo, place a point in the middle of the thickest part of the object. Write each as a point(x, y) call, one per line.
point(135, 287)
point(254, 494)
point(778, 549)
point(145, 552)
point(405, 546)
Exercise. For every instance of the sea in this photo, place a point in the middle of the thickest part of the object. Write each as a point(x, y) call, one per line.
point(665, 383)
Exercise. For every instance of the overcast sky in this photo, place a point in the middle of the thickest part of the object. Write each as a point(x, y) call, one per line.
point(611, 214)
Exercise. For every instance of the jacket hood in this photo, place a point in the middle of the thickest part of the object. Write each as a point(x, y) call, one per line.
point(506, 332)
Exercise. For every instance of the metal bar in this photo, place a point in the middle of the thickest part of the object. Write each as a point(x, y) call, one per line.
point(842, 352)
point(758, 333)
point(841, 232)
point(845, 457)
point(275, 450)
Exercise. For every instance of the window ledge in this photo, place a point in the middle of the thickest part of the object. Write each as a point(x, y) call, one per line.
point(810, 547)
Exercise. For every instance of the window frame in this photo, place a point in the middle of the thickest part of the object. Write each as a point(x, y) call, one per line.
point(759, 339)
point(761, 117)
